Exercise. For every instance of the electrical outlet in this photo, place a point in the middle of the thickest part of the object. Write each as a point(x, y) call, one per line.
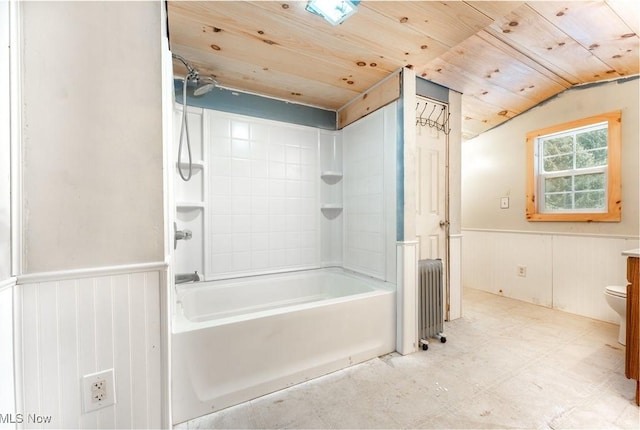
point(522, 271)
point(98, 390)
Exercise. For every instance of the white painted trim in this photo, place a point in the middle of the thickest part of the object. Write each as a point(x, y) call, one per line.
point(455, 236)
point(93, 272)
point(406, 298)
point(7, 283)
point(554, 233)
point(15, 94)
point(406, 242)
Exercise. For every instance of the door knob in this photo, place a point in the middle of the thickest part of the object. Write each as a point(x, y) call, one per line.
point(444, 223)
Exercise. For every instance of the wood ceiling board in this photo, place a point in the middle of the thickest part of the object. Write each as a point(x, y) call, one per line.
point(485, 61)
point(491, 37)
point(628, 11)
point(495, 9)
point(598, 28)
point(464, 82)
point(447, 22)
point(537, 38)
point(368, 30)
point(273, 55)
point(243, 76)
point(245, 18)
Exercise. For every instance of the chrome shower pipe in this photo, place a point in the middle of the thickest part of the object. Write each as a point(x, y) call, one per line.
point(193, 73)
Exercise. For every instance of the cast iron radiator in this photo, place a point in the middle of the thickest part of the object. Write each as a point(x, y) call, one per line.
point(430, 301)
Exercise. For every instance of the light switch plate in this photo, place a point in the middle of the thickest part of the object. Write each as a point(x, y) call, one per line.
point(504, 203)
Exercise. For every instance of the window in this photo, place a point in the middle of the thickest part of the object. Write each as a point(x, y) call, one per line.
point(573, 171)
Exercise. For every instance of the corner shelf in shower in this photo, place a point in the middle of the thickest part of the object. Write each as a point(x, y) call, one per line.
point(331, 208)
point(195, 164)
point(189, 205)
point(331, 176)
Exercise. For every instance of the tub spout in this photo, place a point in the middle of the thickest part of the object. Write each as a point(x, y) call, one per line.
point(182, 278)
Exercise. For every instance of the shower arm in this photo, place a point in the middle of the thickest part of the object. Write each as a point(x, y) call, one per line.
point(193, 73)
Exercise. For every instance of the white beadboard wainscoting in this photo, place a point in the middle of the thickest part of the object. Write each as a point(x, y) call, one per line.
point(563, 271)
point(69, 327)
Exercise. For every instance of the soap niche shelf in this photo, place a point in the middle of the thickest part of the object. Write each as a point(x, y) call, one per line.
point(331, 176)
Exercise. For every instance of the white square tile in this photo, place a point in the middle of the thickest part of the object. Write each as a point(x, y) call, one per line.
point(240, 168)
point(308, 256)
point(259, 187)
point(276, 152)
point(292, 240)
point(277, 258)
point(259, 150)
point(260, 223)
point(239, 130)
point(259, 169)
point(292, 154)
point(221, 147)
point(307, 189)
point(293, 188)
point(277, 170)
point(241, 224)
point(220, 126)
point(241, 186)
point(277, 223)
point(221, 243)
point(241, 242)
point(277, 207)
point(308, 156)
point(293, 257)
point(221, 263)
point(307, 222)
point(220, 224)
point(220, 185)
point(240, 148)
point(221, 166)
point(277, 188)
point(294, 223)
point(240, 205)
point(259, 242)
point(309, 173)
point(259, 260)
point(259, 132)
point(276, 240)
point(241, 261)
point(220, 204)
point(294, 206)
point(259, 205)
point(293, 171)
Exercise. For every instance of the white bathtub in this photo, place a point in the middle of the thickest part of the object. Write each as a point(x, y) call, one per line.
point(237, 340)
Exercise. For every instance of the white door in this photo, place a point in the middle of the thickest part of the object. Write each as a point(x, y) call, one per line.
point(431, 201)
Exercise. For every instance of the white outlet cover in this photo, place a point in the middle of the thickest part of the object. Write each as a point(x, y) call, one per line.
point(504, 203)
point(88, 404)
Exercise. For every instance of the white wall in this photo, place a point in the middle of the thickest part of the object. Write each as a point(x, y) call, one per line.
point(5, 139)
point(92, 134)
point(568, 264)
point(92, 209)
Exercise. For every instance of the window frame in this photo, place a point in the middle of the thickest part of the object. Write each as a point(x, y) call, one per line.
point(613, 212)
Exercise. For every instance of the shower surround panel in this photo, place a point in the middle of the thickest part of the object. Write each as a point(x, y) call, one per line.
point(263, 196)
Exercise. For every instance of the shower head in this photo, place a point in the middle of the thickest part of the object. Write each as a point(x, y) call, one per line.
point(204, 85)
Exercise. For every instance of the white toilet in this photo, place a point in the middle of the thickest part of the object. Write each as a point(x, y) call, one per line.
point(617, 298)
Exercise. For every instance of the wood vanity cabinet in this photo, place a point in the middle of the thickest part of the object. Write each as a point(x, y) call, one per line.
point(632, 358)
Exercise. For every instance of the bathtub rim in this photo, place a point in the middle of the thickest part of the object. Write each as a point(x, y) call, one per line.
point(181, 324)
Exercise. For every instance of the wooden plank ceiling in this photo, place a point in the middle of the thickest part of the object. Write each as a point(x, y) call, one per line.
point(504, 57)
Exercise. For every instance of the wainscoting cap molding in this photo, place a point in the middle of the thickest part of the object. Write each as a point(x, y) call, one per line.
point(555, 233)
point(7, 283)
point(455, 236)
point(406, 242)
point(92, 272)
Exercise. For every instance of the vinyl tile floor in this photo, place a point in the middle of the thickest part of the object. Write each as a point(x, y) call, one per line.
point(506, 364)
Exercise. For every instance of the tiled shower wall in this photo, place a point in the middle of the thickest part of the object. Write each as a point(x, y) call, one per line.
point(369, 194)
point(263, 196)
